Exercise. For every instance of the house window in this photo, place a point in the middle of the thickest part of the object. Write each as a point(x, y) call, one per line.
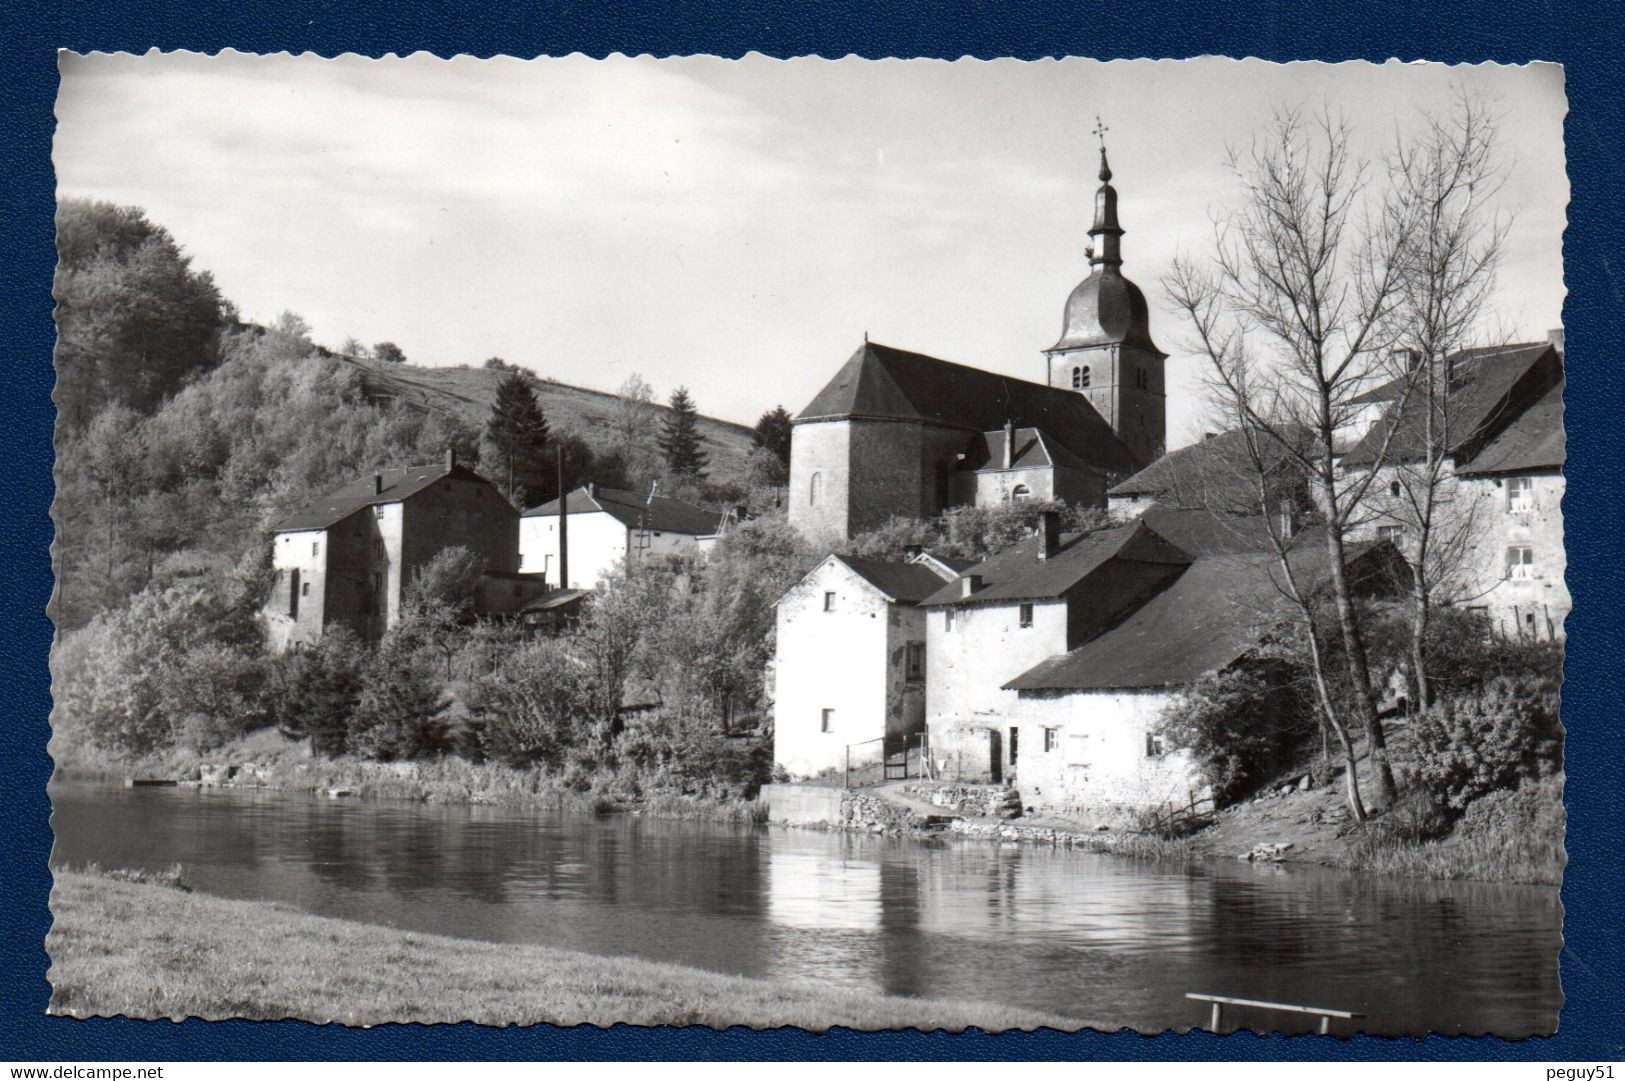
point(1153, 745)
point(1020, 492)
point(914, 661)
point(1520, 494)
point(378, 512)
point(1026, 615)
point(815, 489)
point(1052, 739)
point(1520, 561)
point(1080, 377)
point(293, 593)
point(304, 590)
point(1015, 737)
point(315, 548)
point(829, 602)
point(826, 721)
point(1142, 379)
point(949, 618)
point(1395, 533)
point(1393, 488)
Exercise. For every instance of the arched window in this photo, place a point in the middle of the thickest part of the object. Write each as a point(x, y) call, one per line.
point(815, 489)
point(1080, 377)
point(1020, 492)
point(1393, 488)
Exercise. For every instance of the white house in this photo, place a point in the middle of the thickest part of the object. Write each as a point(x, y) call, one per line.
point(608, 526)
point(849, 674)
point(1040, 598)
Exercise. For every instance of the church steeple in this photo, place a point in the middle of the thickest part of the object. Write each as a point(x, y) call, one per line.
point(1105, 351)
point(1106, 236)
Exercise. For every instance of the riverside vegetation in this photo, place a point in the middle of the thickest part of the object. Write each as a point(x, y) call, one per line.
point(170, 470)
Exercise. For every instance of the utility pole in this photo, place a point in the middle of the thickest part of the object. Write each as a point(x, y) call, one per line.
point(564, 527)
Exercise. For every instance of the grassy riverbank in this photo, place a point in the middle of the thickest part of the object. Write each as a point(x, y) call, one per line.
point(147, 950)
point(269, 760)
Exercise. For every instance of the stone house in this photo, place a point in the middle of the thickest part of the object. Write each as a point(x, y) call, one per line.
point(1498, 539)
point(900, 433)
point(610, 527)
point(1038, 599)
point(850, 664)
point(349, 557)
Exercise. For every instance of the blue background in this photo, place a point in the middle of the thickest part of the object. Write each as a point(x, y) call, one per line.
point(1585, 38)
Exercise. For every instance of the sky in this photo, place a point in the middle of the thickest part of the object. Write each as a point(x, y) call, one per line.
point(735, 227)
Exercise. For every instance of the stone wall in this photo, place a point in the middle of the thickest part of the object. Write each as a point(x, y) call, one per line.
point(997, 801)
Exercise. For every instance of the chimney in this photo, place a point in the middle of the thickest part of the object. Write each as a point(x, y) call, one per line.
point(592, 489)
point(451, 459)
point(912, 551)
point(1555, 336)
point(969, 584)
point(377, 484)
point(1208, 435)
point(1049, 533)
point(1009, 443)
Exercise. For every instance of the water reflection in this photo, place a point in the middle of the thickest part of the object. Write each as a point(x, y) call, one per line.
point(1112, 941)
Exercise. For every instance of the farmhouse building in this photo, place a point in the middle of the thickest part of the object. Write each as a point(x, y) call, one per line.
point(609, 527)
point(849, 674)
point(901, 433)
point(349, 557)
point(1498, 540)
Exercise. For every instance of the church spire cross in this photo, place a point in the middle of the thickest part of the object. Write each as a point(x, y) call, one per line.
point(1100, 130)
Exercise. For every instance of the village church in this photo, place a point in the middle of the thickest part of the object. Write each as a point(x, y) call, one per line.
point(902, 433)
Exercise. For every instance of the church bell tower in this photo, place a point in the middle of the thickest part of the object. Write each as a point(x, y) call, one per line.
point(1105, 351)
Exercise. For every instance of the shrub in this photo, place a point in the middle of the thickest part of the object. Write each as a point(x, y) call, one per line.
point(1469, 745)
point(401, 711)
point(1242, 724)
point(526, 712)
point(318, 690)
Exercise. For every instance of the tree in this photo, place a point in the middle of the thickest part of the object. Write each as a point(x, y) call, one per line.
point(633, 432)
point(133, 318)
point(440, 601)
point(497, 364)
point(517, 430)
point(400, 713)
point(319, 688)
point(773, 432)
point(389, 353)
point(1443, 187)
point(1295, 318)
point(353, 347)
point(680, 437)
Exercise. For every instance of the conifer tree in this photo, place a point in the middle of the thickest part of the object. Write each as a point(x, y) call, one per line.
point(773, 432)
point(680, 440)
point(517, 430)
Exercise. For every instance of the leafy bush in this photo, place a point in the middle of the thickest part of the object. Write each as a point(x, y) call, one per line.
point(1468, 746)
point(528, 711)
point(318, 690)
point(1243, 724)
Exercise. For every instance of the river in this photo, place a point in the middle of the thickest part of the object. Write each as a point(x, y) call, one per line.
point(1101, 938)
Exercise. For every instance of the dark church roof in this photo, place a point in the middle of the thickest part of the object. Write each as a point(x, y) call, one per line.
point(662, 512)
point(1017, 574)
point(1032, 450)
point(882, 383)
point(910, 583)
point(388, 486)
point(1106, 309)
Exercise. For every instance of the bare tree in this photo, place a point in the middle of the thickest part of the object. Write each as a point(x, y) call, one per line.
point(635, 426)
point(1295, 317)
point(1442, 186)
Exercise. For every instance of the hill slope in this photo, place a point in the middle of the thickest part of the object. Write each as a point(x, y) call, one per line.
point(467, 394)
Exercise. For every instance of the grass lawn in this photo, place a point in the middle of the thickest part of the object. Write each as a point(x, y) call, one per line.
point(145, 950)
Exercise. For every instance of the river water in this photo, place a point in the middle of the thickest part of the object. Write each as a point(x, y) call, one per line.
point(1107, 940)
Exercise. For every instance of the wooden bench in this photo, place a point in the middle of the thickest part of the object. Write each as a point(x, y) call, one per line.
point(1219, 1002)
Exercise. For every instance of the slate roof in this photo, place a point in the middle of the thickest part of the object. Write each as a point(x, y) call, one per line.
point(1534, 440)
point(1217, 472)
point(882, 383)
point(910, 583)
point(1203, 533)
point(1017, 574)
point(398, 484)
point(665, 514)
point(1482, 400)
point(1207, 618)
point(1032, 451)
